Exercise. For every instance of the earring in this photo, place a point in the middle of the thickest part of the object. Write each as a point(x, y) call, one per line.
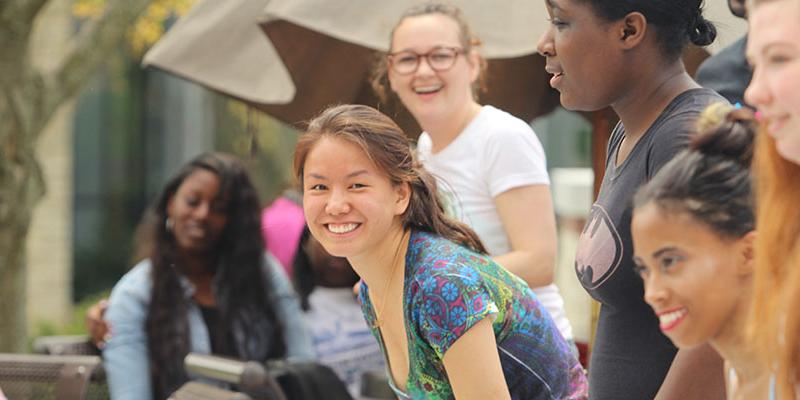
point(168, 224)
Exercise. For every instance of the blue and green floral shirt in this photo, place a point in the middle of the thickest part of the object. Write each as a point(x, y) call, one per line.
point(447, 290)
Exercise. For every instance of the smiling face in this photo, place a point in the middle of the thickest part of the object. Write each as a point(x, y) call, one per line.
point(426, 93)
point(580, 54)
point(696, 281)
point(197, 214)
point(774, 52)
point(350, 205)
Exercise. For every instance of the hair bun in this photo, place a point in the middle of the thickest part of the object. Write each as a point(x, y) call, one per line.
point(726, 132)
point(702, 32)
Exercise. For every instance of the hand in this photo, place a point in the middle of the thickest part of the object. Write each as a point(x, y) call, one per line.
point(98, 328)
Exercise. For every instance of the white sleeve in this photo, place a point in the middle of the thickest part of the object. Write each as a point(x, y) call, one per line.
point(513, 158)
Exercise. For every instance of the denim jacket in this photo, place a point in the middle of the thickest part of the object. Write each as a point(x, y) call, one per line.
point(126, 354)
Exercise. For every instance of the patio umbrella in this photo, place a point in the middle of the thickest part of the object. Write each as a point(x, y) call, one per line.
point(330, 48)
point(292, 58)
point(317, 53)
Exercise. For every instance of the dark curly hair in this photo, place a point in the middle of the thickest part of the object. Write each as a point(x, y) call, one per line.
point(240, 283)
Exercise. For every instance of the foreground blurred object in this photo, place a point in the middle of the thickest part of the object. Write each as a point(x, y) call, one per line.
point(202, 391)
point(251, 377)
point(35, 376)
point(279, 380)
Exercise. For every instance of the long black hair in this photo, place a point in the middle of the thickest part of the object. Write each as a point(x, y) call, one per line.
point(248, 327)
point(303, 272)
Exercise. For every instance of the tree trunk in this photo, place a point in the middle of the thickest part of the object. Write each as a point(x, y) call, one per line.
point(28, 99)
point(15, 217)
point(21, 187)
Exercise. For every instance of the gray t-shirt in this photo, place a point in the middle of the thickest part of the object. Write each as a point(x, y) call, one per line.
point(631, 356)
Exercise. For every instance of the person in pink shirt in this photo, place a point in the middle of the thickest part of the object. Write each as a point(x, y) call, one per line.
point(282, 224)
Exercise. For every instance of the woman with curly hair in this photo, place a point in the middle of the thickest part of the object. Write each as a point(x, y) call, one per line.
point(204, 284)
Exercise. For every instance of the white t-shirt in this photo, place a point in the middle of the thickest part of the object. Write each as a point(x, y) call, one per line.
point(496, 152)
point(341, 337)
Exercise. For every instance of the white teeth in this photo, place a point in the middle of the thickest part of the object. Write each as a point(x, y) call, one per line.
point(669, 318)
point(427, 89)
point(342, 228)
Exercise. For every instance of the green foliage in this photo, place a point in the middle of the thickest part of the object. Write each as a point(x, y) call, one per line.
point(148, 28)
point(264, 143)
point(75, 326)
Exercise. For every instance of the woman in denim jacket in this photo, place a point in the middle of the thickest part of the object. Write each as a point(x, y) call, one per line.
point(204, 285)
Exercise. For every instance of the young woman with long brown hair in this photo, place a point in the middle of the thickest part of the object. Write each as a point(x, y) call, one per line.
point(451, 322)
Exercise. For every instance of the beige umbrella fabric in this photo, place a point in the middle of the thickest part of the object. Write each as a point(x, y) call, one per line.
point(330, 48)
point(319, 52)
point(218, 44)
point(507, 29)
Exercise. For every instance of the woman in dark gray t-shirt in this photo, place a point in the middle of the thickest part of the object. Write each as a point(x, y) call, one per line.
point(626, 54)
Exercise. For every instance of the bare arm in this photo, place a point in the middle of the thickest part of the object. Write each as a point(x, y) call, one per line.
point(98, 328)
point(473, 365)
point(695, 374)
point(529, 221)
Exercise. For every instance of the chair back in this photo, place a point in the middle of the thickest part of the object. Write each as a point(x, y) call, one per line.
point(77, 345)
point(37, 376)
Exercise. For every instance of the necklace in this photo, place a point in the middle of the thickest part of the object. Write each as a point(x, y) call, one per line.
point(377, 323)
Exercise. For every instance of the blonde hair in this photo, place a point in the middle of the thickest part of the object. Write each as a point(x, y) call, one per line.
point(774, 325)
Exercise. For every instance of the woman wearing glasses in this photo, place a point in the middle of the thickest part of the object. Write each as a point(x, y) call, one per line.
point(490, 164)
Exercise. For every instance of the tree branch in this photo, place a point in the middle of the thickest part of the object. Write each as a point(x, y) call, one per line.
point(21, 12)
point(16, 22)
point(90, 49)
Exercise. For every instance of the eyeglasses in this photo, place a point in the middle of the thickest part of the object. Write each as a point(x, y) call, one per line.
point(440, 59)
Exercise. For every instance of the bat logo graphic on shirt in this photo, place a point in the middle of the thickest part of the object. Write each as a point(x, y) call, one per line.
point(599, 249)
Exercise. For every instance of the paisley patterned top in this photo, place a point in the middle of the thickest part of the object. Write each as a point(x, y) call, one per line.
point(447, 290)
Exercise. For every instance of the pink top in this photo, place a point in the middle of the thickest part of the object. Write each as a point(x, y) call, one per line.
point(281, 226)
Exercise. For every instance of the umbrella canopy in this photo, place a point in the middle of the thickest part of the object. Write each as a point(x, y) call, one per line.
point(219, 45)
point(330, 49)
point(320, 52)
